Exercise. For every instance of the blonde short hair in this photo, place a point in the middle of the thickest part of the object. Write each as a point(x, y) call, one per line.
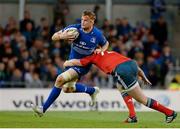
point(90, 14)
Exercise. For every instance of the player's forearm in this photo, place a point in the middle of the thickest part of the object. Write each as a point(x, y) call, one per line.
point(61, 35)
point(73, 62)
point(143, 76)
point(105, 47)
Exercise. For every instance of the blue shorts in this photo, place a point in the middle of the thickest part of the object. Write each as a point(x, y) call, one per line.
point(126, 74)
point(80, 70)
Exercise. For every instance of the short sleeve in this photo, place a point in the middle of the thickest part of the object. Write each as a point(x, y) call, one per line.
point(102, 39)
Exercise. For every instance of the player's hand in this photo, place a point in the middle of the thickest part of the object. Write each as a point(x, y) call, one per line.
point(146, 81)
point(98, 51)
point(70, 40)
point(65, 64)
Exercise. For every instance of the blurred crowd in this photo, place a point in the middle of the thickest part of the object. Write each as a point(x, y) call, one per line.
point(28, 57)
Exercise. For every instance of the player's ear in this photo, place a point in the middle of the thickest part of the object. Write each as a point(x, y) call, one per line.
point(92, 21)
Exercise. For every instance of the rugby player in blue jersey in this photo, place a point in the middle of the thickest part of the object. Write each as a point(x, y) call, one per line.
point(87, 43)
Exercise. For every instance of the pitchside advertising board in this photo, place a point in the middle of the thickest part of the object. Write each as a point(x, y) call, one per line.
point(107, 100)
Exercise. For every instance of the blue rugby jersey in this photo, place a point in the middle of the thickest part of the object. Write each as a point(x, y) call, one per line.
point(86, 43)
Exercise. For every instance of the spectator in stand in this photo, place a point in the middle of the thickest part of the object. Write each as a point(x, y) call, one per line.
point(61, 9)
point(158, 7)
point(115, 45)
point(43, 30)
point(18, 43)
point(152, 71)
point(17, 79)
point(151, 45)
point(27, 19)
point(36, 50)
point(96, 10)
point(1, 47)
point(119, 47)
point(106, 27)
point(30, 34)
point(136, 46)
point(124, 29)
point(141, 30)
point(11, 26)
point(160, 31)
point(57, 49)
point(10, 67)
point(8, 52)
point(166, 61)
point(133, 41)
point(118, 26)
point(52, 72)
point(2, 74)
point(31, 78)
point(58, 25)
point(44, 69)
point(25, 56)
point(58, 62)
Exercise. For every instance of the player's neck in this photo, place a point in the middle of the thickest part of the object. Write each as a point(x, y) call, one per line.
point(87, 30)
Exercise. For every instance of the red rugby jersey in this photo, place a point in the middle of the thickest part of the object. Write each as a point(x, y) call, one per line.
point(107, 62)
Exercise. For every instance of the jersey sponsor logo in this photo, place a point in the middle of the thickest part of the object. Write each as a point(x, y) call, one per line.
point(82, 50)
point(93, 40)
point(81, 46)
point(82, 43)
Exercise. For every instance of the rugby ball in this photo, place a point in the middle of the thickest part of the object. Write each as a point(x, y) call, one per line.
point(72, 31)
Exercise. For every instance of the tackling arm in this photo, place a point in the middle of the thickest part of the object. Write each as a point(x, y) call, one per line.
point(73, 62)
point(143, 76)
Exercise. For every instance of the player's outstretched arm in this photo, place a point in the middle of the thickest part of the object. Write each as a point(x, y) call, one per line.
point(143, 76)
point(62, 35)
point(73, 62)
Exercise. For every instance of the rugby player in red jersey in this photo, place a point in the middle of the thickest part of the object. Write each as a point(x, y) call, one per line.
point(126, 72)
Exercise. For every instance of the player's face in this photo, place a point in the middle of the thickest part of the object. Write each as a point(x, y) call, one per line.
point(86, 22)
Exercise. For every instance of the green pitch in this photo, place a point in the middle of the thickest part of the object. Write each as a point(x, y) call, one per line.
point(84, 120)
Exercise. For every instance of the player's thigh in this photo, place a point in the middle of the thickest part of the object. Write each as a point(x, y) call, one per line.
point(66, 76)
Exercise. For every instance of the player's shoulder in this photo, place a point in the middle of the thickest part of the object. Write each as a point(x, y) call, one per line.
point(97, 31)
